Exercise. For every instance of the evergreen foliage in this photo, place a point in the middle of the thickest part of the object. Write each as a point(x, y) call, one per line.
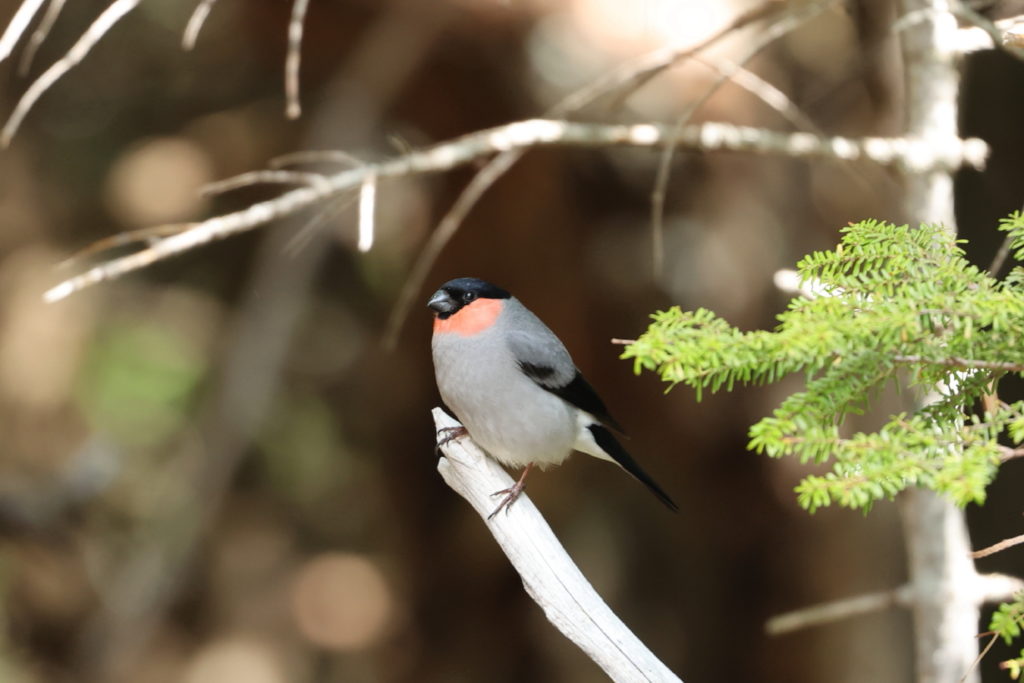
point(1007, 622)
point(892, 305)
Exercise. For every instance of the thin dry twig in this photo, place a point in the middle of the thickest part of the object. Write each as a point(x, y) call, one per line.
point(829, 612)
point(294, 58)
point(763, 90)
point(39, 35)
point(124, 239)
point(272, 177)
point(367, 208)
point(774, 32)
point(110, 16)
point(330, 156)
point(621, 84)
point(1006, 453)
point(981, 656)
point(537, 133)
point(16, 28)
point(305, 234)
point(983, 588)
point(998, 547)
point(195, 24)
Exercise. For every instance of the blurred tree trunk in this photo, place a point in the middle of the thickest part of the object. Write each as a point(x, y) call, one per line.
point(945, 610)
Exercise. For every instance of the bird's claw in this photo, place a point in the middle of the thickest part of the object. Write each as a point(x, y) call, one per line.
point(511, 495)
point(450, 434)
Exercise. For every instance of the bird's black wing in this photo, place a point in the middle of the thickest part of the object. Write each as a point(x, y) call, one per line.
point(576, 391)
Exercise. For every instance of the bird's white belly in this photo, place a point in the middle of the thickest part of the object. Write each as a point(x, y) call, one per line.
point(507, 414)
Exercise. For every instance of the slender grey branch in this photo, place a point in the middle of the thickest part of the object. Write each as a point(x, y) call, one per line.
point(776, 30)
point(982, 587)
point(330, 156)
point(539, 133)
point(294, 59)
point(998, 547)
point(271, 177)
point(110, 16)
point(195, 24)
point(837, 610)
point(547, 571)
point(16, 28)
point(1006, 453)
point(39, 35)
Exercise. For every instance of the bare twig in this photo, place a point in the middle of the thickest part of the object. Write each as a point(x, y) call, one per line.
point(110, 16)
point(774, 32)
point(829, 612)
point(330, 156)
point(268, 177)
point(981, 587)
point(19, 22)
point(304, 235)
point(981, 656)
point(998, 547)
point(294, 58)
point(548, 573)
point(124, 239)
point(39, 35)
point(536, 133)
point(622, 83)
point(1006, 453)
point(762, 90)
point(367, 208)
point(195, 24)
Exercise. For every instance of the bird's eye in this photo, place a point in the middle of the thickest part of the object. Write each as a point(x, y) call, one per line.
point(467, 297)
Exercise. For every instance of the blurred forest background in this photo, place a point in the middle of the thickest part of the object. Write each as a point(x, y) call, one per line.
point(213, 470)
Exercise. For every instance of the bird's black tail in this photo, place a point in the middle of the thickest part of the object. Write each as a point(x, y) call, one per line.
point(607, 441)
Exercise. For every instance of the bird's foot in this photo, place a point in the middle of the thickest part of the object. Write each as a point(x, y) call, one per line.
point(450, 434)
point(511, 493)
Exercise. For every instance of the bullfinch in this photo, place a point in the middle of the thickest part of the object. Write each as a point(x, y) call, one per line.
point(513, 386)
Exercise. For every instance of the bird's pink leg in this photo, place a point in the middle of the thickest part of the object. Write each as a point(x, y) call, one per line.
point(450, 434)
point(511, 494)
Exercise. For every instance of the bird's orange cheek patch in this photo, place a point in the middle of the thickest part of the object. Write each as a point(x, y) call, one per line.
point(471, 319)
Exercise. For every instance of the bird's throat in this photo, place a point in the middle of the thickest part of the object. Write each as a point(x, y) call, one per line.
point(471, 319)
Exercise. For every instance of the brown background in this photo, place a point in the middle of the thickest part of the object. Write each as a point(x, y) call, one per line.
point(213, 470)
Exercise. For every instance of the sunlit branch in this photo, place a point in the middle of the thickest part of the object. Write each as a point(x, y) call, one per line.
point(195, 24)
point(110, 16)
point(549, 575)
point(523, 135)
point(294, 59)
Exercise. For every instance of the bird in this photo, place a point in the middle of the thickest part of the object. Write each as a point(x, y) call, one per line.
point(514, 387)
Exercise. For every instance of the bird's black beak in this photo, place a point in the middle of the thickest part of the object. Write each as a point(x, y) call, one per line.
point(442, 303)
